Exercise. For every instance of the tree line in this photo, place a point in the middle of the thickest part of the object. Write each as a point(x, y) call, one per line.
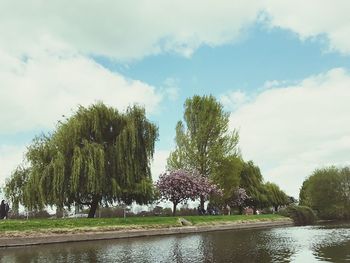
point(101, 156)
point(205, 144)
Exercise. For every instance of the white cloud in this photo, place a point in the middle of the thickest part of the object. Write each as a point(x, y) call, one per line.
point(137, 28)
point(10, 158)
point(273, 84)
point(45, 68)
point(159, 163)
point(290, 131)
point(171, 89)
point(313, 18)
point(36, 91)
point(233, 99)
point(125, 29)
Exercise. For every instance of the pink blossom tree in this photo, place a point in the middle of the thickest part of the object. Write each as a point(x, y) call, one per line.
point(179, 186)
point(238, 199)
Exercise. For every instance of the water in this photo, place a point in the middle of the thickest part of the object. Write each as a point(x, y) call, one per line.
point(323, 243)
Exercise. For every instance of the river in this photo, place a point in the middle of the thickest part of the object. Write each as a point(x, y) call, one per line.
point(321, 243)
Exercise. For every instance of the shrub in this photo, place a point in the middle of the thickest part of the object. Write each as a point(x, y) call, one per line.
point(160, 211)
point(326, 191)
point(108, 212)
point(32, 214)
point(185, 211)
point(301, 215)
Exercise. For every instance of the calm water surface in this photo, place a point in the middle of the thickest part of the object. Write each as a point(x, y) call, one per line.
point(323, 243)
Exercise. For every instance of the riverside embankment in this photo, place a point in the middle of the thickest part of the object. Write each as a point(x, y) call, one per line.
point(36, 232)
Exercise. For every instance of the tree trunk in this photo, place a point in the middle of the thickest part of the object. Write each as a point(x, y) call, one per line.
point(93, 208)
point(59, 212)
point(254, 210)
point(240, 209)
point(202, 204)
point(276, 208)
point(174, 209)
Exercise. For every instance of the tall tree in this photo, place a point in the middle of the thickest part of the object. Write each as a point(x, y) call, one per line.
point(97, 156)
point(276, 197)
point(203, 139)
point(252, 181)
point(227, 176)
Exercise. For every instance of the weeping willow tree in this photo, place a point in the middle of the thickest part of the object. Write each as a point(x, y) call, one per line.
point(252, 181)
point(98, 156)
point(16, 187)
point(276, 197)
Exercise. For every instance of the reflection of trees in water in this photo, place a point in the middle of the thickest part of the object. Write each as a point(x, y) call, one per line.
point(245, 246)
point(274, 245)
point(336, 252)
point(176, 251)
point(187, 248)
point(269, 245)
point(64, 252)
point(50, 253)
point(16, 257)
point(221, 246)
point(206, 248)
point(333, 242)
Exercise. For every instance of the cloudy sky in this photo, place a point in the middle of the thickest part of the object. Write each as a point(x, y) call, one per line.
point(281, 68)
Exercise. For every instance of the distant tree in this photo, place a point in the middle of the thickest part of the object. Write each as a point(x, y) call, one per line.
point(203, 140)
point(252, 181)
point(97, 156)
point(292, 200)
point(327, 191)
point(179, 186)
point(304, 195)
point(276, 197)
point(15, 189)
point(344, 189)
point(227, 177)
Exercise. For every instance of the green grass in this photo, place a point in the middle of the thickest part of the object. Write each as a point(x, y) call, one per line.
point(197, 220)
point(101, 224)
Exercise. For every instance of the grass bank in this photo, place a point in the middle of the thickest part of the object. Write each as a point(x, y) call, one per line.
point(72, 225)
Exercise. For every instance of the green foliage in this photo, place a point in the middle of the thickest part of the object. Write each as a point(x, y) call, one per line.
point(227, 177)
point(301, 215)
point(15, 189)
point(252, 181)
point(97, 156)
point(203, 139)
point(276, 197)
point(327, 191)
point(304, 195)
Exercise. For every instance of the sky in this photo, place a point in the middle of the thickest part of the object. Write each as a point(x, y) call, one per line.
point(280, 68)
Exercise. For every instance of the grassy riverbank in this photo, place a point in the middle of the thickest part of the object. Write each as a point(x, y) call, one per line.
point(23, 227)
